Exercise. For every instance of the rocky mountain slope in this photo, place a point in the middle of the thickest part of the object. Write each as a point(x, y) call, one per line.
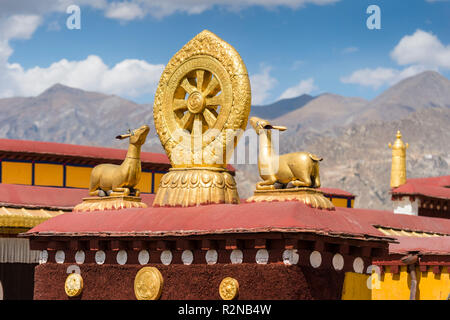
point(351, 134)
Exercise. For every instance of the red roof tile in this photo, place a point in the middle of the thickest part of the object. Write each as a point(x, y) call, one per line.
point(337, 192)
point(426, 246)
point(388, 219)
point(63, 149)
point(289, 216)
point(47, 197)
point(413, 189)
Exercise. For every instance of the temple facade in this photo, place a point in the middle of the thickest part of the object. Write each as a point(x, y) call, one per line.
point(97, 223)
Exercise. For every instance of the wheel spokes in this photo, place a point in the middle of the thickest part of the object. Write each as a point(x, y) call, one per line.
point(212, 88)
point(210, 117)
point(186, 85)
point(197, 127)
point(179, 105)
point(189, 116)
point(186, 120)
point(214, 101)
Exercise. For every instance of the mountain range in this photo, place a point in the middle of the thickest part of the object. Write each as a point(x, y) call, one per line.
point(350, 133)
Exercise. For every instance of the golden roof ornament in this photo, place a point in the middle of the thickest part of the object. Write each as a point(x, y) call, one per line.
point(292, 176)
point(201, 109)
point(398, 169)
point(113, 186)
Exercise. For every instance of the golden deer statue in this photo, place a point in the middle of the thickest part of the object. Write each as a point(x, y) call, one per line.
point(120, 180)
point(297, 169)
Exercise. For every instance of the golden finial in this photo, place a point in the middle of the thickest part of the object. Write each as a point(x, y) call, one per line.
point(398, 170)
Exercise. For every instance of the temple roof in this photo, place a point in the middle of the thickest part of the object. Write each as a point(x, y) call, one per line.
point(34, 150)
point(434, 187)
point(337, 192)
point(290, 216)
point(15, 195)
point(424, 246)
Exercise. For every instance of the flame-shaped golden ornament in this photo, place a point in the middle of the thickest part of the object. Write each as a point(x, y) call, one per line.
point(201, 109)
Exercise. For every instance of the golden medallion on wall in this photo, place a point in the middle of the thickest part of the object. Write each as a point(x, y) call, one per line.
point(229, 288)
point(148, 284)
point(73, 285)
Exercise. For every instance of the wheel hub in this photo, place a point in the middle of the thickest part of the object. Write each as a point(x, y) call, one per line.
point(196, 102)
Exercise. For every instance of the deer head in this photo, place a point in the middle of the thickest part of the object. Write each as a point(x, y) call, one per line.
point(260, 124)
point(137, 136)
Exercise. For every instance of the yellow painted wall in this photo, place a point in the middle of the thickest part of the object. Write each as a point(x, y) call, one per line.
point(338, 202)
point(355, 287)
point(157, 180)
point(16, 172)
point(78, 177)
point(145, 184)
point(429, 285)
point(48, 174)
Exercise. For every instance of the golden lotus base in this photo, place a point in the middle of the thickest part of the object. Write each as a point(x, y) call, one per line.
point(195, 186)
point(309, 196)
point(109, 203)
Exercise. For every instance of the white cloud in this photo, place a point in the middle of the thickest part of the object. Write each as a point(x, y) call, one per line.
point(304, 86)
point(422, 48)
point(378, 77)
point(161, 8)
point(129, 77)
point(261, 84)
point(124, 11)
point(418, 52)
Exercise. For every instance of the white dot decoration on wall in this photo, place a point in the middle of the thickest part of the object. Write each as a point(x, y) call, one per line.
point(166, 257)
point(358, 265)
point(187, 257)
point(100, 257)
point(211, 256)
point(79, 257)
point(60, 256)
point(43, 257)
point(315, 259)
point(143, 257)
point(122, 257)
point(290, 256)
point(236, 256)
point(338, 262)
point(262, 256)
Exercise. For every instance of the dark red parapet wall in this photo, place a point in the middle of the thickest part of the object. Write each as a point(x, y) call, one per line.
point(181, 282)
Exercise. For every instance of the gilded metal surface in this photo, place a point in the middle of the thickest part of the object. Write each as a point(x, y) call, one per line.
point(194, 186)
point(398, 170)
point(201, 108)
point(120, 180)
point(19, 218)
point(297, 169)
point(148, 284)
point(309, 196)
point(229, 288)
point(109, 203)
point(73, 285)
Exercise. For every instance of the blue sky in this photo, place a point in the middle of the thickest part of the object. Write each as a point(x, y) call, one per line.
point(289, 47)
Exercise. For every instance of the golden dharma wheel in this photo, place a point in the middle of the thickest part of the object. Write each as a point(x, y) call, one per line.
point(229, 288)
point(204, 90)
point(148, 284)
point(73, 285)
